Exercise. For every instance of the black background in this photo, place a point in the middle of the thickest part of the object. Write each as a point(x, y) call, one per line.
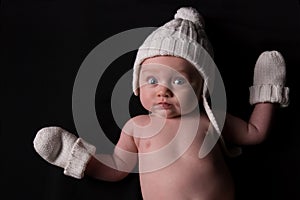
point(44, 42)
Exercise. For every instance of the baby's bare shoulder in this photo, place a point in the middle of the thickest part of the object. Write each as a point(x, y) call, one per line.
point(140, 120)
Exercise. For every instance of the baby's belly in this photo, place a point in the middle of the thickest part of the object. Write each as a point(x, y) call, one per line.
point(190, 178)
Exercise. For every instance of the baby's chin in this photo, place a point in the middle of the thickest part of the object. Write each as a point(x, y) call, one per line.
point(172, 115)
point(164, 114)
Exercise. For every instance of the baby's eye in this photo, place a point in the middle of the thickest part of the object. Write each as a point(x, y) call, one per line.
point(179, 81)
point(152, 80)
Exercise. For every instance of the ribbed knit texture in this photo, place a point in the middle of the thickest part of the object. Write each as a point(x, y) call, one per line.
point(184, 36)
point(269, 80)
point(63, 149)
point(78, 158)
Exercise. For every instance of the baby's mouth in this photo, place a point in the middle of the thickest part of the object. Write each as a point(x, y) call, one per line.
point(164, 105)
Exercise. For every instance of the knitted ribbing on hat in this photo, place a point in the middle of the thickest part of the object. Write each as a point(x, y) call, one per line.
point(184, 36)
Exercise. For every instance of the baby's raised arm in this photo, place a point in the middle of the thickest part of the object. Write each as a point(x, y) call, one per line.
point(267, 93)
point(78, 157)
point(120, 163)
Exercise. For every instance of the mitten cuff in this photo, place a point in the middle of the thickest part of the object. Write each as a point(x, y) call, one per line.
point(269, 93)
point(80, 155)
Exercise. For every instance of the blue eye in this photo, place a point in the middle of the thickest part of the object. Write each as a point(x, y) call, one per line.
point(152, 80)
point(179, 81)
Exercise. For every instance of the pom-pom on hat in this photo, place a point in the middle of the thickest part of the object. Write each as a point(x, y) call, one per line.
point(185, 37)
point(189, 14)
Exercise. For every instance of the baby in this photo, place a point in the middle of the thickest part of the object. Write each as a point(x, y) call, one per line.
point(171, 77)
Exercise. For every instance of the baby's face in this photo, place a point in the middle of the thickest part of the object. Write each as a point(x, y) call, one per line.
point(169, 86)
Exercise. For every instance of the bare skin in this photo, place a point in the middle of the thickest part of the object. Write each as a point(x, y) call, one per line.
point(169, 97)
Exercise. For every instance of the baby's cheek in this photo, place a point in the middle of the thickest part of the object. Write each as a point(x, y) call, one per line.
point(145, 101)
point(187, 100)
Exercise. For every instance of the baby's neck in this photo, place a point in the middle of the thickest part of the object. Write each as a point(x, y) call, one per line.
point(192, 114)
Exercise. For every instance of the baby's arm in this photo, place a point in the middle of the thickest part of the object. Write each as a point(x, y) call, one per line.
point(267, 93)
point(254, 131)
point(118, 165)
point(77, 157)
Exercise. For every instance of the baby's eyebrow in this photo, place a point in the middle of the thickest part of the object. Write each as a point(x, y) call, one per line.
point(184, 74)
point(153, 71)
point(147, 73)
point(150, 70)
point(146, 70)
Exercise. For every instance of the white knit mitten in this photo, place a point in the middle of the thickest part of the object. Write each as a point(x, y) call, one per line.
point(269, 80)
point(63, 149)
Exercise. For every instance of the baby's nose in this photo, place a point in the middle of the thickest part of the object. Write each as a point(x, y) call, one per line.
point(164, 91)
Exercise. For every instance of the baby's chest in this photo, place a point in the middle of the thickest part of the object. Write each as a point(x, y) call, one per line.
point(172, 142)
point(160, 152)
point(171, 136)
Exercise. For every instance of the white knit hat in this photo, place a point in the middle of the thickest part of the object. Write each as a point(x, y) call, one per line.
point(184, 37)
